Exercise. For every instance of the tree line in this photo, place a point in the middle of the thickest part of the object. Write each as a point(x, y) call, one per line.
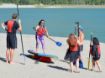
point(56, 2)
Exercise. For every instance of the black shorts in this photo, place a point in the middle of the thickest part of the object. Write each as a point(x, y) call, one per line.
point(96, 58)
point(11, 41)
point(72, 56)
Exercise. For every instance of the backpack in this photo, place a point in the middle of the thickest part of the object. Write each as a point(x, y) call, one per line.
point(41, 31)
point(95, 51)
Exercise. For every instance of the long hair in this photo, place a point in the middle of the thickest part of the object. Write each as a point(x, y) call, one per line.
point(72, 41)
point(95, 41)
point(41, 22)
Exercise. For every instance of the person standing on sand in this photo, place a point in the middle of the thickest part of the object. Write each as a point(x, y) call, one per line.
point(95, 53)
point(11, 26)
point(81, 40)
point(73, 52)
point(41, 31)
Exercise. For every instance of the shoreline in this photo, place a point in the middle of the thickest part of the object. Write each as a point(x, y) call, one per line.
point(50, 6)
point(56, 37)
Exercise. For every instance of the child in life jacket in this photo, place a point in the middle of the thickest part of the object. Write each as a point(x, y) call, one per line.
point(95, 53)
point(41, 31)
point(73, 53)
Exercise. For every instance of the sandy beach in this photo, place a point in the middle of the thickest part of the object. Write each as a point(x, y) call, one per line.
point(43, 70)
point(50, 6)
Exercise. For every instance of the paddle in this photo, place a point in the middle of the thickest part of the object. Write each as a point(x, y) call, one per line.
point(56, 42)
point(21, 35)
point(78, 29)
point(91, 37)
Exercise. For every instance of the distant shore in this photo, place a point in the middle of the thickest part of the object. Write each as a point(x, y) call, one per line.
point(51, 6)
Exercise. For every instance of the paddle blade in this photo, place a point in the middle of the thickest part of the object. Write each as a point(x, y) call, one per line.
point(58, 43)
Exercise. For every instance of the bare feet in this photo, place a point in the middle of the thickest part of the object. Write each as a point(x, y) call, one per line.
point(77, 71)
point(12, 62)
point(36, 61)
point(70, 70)
point(7, 61)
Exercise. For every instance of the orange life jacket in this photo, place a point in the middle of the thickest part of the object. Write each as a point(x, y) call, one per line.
point(41, 31)
point(74, 48)
point(10, 25)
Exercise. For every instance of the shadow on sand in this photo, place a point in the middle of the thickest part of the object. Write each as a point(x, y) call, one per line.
point(3, 59)
point(58, 68)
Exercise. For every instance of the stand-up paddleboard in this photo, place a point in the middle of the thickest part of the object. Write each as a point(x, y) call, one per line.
point(42, 56)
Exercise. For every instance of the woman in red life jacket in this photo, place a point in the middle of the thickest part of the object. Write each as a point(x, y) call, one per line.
point(41, 31)
point(95, 53)
point(73, 52)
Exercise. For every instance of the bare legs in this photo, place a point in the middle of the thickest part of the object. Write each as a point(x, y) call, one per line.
point(94, 63)
point(77, 66)
point(40, 40)
point(9, 56)
point(71, 66)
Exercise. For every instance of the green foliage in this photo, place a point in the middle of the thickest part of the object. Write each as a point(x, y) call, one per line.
point(51, 2)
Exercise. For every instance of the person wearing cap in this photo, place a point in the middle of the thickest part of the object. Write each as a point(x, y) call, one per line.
point(11, 26)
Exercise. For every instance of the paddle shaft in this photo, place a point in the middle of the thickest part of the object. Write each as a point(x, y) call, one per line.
point(75, 31)
point(51, 39)
point(89, 61)
point(21, 34)
point(89, 52)
point(78, 29)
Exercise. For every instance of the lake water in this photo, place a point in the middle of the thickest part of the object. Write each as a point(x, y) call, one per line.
point(61, 21)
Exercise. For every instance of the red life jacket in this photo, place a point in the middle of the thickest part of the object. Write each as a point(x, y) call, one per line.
point(41, 31)
point(10, 25)
point(95, 50)
point(75, 48)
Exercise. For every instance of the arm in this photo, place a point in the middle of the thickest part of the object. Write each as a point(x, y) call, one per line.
point(67, 41)
point(36, 28)
point(81, 38)
point(3, 25)
point(20, 26)
point(46, 34)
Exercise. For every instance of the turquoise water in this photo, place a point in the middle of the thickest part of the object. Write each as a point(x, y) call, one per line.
point(61, 21)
